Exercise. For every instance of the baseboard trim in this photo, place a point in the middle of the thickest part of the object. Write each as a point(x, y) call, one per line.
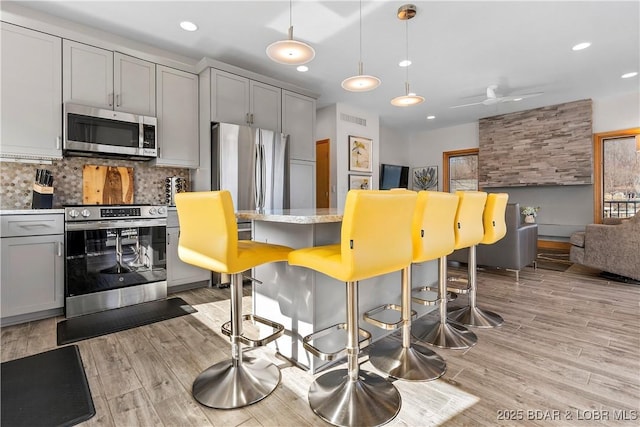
point(553, 244)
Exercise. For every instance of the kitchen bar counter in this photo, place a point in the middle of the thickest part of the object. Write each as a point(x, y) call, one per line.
point(293, 216)
point(305, 301)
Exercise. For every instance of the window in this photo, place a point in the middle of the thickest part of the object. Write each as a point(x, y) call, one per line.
point(460, 170)
point(617, 174)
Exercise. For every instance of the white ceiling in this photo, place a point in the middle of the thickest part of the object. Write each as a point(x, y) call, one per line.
point(457, 48)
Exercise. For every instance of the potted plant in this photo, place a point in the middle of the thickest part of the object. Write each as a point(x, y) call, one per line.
point(530, 213)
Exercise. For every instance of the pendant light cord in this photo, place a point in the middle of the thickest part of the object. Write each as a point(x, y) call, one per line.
point(361, 31)
point(406, 22)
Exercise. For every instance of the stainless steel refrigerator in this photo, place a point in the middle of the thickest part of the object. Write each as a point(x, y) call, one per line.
point(252, 163)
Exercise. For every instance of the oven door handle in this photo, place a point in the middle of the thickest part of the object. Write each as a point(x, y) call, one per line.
point(125, 223)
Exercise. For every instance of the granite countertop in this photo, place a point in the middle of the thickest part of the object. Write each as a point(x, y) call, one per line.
point(31, 211)
point(293, 216)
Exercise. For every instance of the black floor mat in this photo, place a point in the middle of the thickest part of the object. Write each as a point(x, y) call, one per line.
point(120, 319)
point(49, 388)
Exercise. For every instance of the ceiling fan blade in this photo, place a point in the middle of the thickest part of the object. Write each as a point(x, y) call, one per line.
point(519, 97)
point(467, 105)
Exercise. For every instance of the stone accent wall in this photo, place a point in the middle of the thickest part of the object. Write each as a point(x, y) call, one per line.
point(16, 181)
point(545, 146)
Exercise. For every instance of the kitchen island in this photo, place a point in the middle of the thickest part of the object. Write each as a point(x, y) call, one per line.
point(305, 301)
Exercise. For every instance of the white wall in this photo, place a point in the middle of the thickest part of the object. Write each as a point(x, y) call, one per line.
point(426, 147)
point(394, 147)
point(616, 112)
point(563, 209)
point(329, 124)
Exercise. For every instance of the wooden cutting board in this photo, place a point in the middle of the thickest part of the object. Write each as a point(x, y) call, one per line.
point(107, 185)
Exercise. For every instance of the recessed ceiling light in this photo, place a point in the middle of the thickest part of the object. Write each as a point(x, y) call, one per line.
point(188, 26)
point(302, 68)
point(431, 117)
point(517, 99)
point(581, 46)
point(629, 75)
point(404, 63)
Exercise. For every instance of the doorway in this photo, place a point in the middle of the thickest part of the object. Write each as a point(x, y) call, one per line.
point(322, 173)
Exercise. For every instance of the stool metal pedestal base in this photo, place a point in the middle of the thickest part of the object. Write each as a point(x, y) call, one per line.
point(444, 335)
point(414, 363)
point(475, 317)
point(368, 401)
point(224, 386)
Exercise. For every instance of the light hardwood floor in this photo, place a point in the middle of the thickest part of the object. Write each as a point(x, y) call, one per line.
point(568, 353)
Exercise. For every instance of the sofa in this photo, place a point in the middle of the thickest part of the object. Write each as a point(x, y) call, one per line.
point(517, 249)
point(613, 247)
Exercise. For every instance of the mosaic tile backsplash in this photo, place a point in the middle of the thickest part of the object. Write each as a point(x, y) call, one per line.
point(16, 181)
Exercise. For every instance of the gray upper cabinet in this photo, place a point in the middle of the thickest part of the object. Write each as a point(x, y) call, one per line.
point(31, 93)
point(265, 104)
point(239, 100)
point(177, 112)
point(299, 122)
point(102, 78)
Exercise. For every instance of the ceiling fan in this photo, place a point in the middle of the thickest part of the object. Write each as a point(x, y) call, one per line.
point(493, 99)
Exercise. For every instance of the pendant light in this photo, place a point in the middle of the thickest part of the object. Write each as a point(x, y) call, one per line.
point(405, 13)
point(360, 82)
point(290, 51)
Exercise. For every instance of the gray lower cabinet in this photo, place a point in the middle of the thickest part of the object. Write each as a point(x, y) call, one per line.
point(32, 265)
point(178, 272)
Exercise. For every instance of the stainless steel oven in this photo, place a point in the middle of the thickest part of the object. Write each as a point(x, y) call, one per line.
point(114, 256)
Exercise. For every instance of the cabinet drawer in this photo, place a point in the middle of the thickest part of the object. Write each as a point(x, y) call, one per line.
point(31, 225)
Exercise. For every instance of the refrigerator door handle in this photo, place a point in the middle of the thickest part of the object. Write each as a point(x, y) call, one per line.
point(263, 177)
point(257, 173)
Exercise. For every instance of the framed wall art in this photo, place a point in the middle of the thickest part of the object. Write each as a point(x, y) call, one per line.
point(360, 182)
point(360, 155)
point(425, 178)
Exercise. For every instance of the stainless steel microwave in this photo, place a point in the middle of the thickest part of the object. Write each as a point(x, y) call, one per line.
point(90, 131)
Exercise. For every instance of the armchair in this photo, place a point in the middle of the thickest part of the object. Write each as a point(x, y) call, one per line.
point(517, 249)
point(614, 248)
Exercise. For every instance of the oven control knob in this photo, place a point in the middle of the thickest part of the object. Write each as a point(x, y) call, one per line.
point(161, 210)
point(73, 213)
point(152, 211)
point(85, 213)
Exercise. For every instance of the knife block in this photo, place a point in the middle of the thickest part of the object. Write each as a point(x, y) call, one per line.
point(42, 197)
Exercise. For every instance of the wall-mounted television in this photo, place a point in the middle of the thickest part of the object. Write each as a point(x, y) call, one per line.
point(393, 176)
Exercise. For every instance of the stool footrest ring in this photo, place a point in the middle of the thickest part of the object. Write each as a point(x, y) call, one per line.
point(322, 355)
point(279, 331)
point(368, 316)
point(424, 301)
point(456, 290)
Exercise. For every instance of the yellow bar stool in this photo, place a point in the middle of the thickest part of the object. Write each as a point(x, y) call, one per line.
point(468, 231)
point(209, 239)
point(495, 228)
point(375, 240)
point(432, 238)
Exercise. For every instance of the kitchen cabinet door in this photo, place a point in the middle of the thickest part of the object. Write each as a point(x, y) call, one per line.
point(87, 75)
point(241, 101)
point(177, 112)
point(229, 98)
point(178, 272)
point(299, 122)
point(32, 274)
point(134, 85)
point(101, 78)
point(302, 184)
point(31, 95)
point(265, 106)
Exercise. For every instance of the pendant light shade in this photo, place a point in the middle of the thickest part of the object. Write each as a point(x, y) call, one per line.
point(405, 13)
point(290, 51)
point(360, 82)
point(408, 99)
